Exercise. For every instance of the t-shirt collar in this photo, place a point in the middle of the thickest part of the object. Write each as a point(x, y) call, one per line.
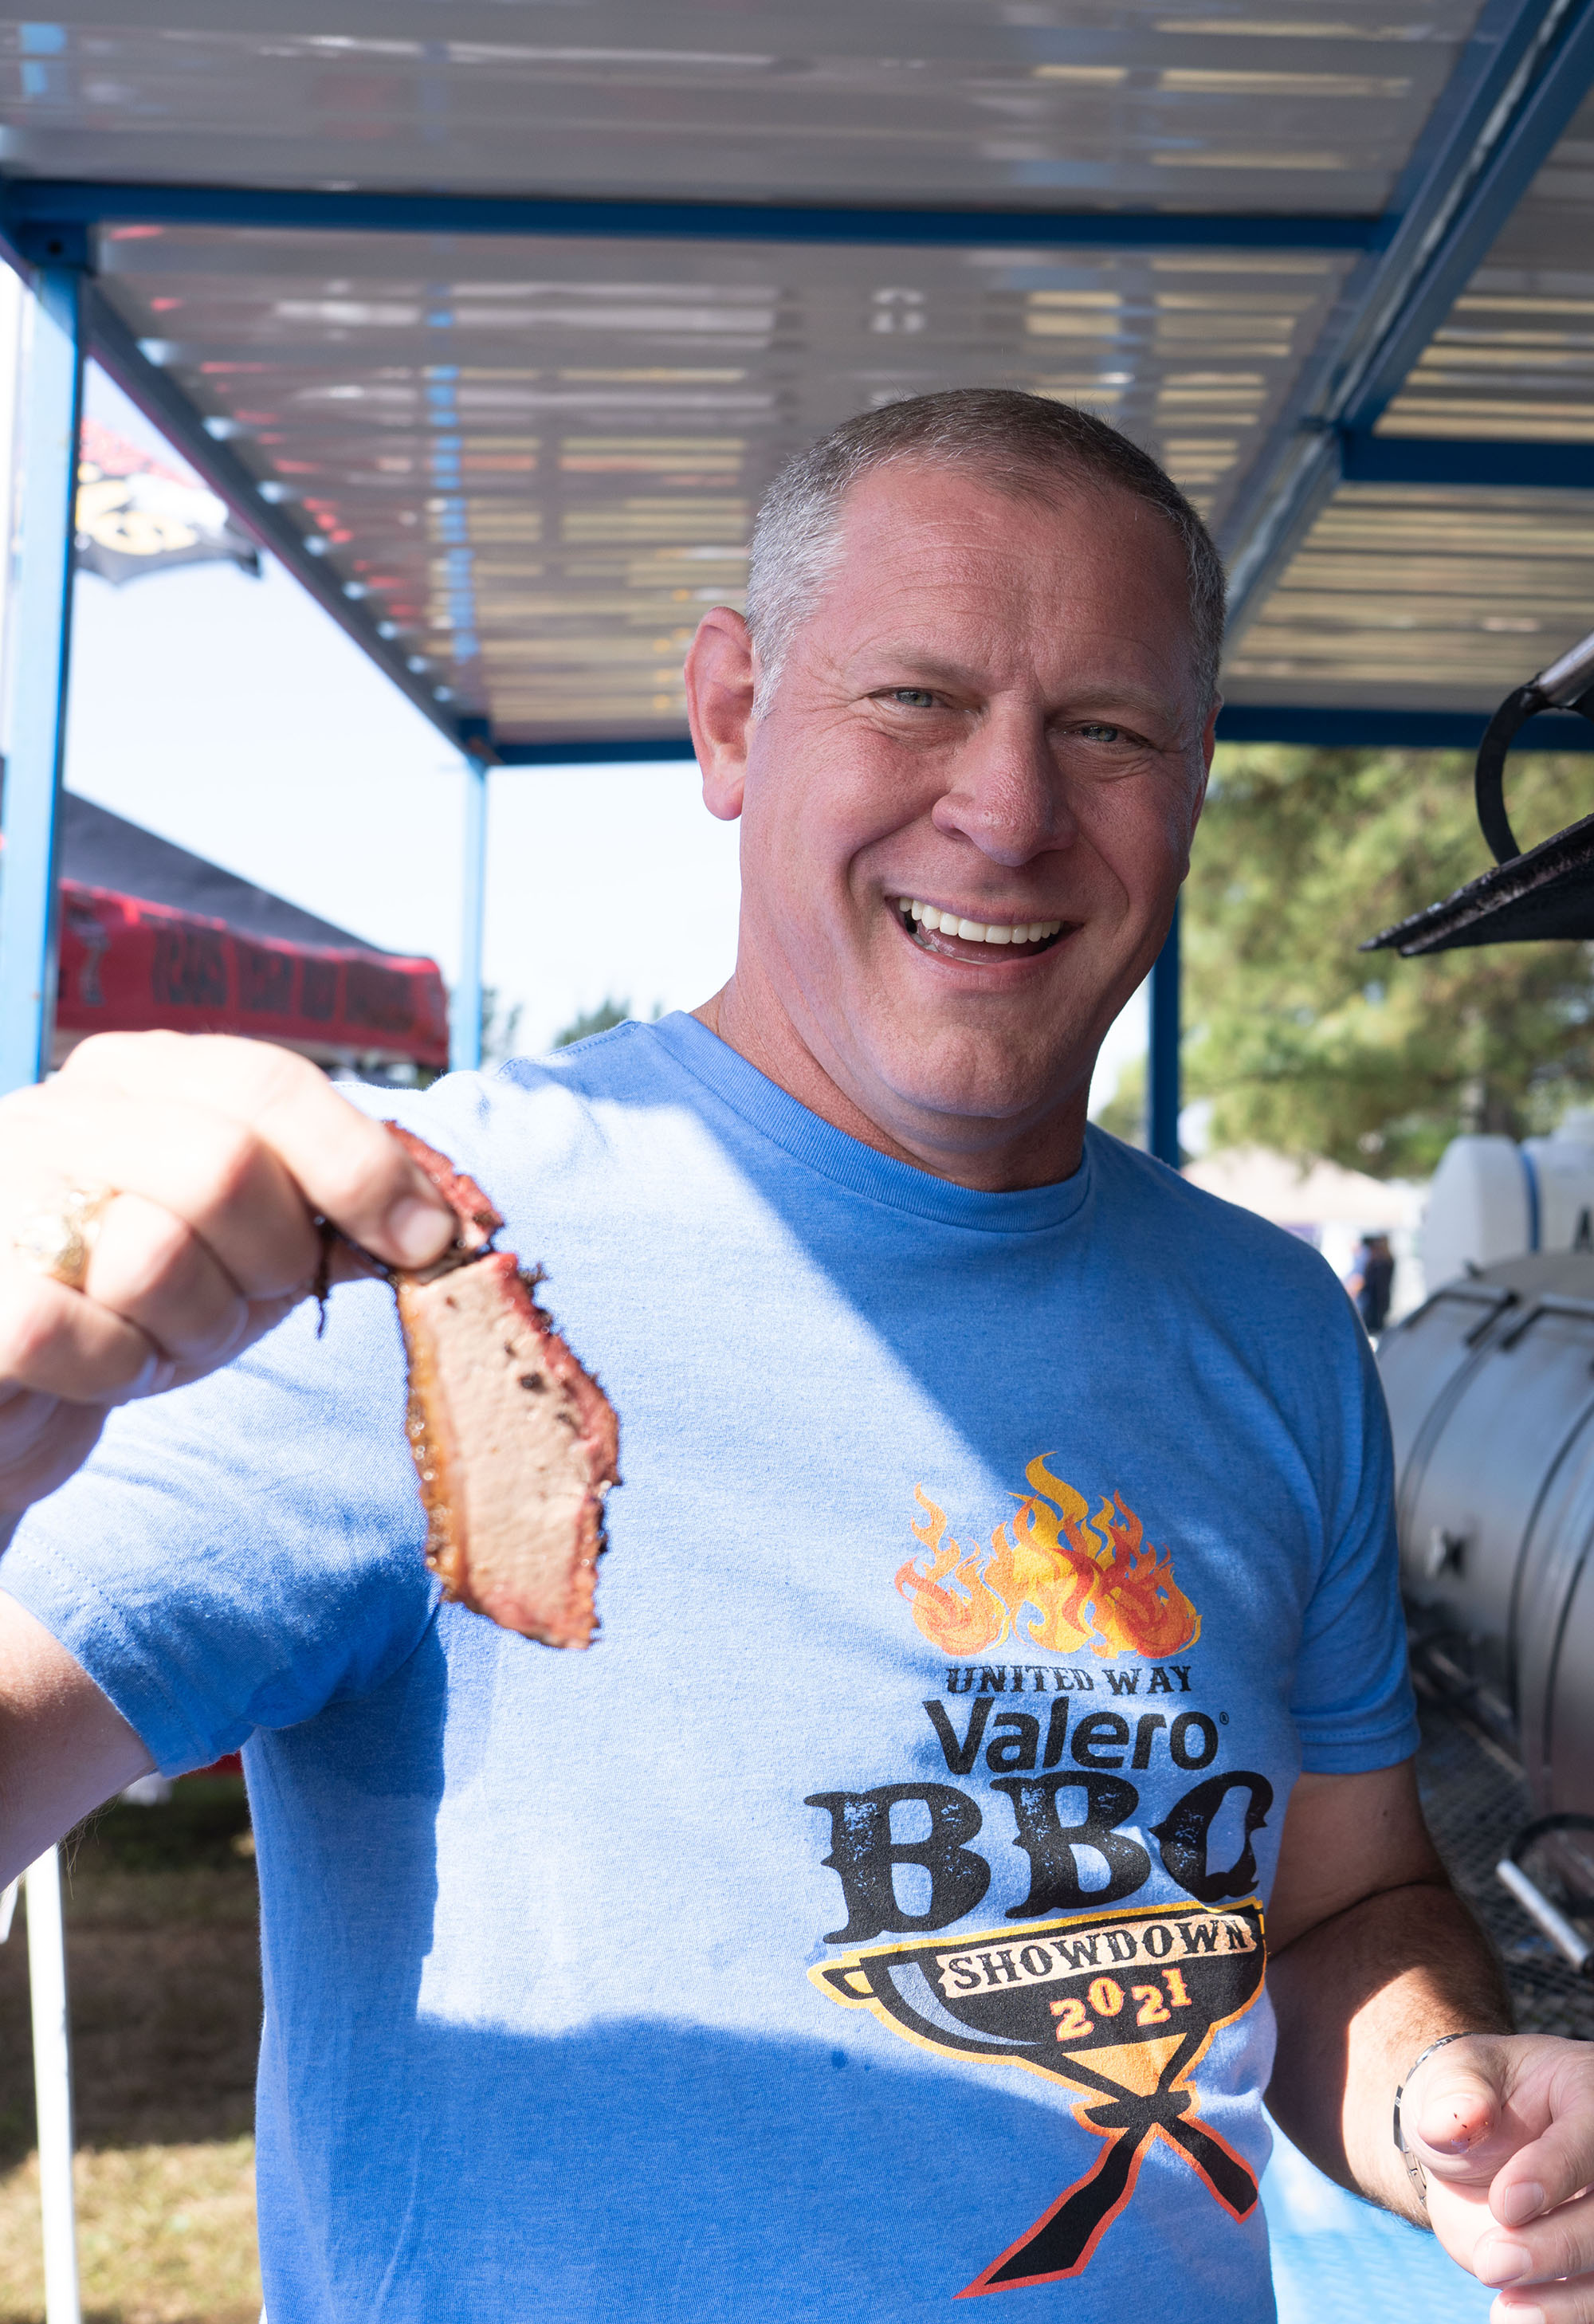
point(767, 1109)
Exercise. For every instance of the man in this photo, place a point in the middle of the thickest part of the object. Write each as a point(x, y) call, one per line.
point(1372, 1282)
point(873, 1916)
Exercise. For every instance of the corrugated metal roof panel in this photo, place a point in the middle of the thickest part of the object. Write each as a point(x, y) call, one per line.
point(536, 461)
point(1428, 598)
point(1196, 106)
point(1516, 357)
point(541, 460)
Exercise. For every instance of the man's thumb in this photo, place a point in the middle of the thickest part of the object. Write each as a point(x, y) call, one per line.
point(1455, 2106)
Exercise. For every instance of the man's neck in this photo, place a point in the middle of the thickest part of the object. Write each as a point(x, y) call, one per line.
point(1006, 1159)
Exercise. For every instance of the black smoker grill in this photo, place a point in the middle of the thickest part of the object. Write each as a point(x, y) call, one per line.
point(1491, 1395)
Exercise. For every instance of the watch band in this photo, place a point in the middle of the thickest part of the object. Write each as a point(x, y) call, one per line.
point(1413, 2167)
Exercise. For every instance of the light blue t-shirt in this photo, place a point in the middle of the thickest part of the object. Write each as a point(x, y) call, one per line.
point(873, 1913)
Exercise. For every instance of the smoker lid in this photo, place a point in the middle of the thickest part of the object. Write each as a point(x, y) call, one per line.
point(1546, 893)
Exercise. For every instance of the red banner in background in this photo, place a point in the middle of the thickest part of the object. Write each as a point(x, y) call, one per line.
point(127, 967)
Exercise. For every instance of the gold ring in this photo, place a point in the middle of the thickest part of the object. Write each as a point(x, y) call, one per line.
point(60, 1242)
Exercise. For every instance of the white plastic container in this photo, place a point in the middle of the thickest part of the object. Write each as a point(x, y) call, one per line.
point(1492, 1199)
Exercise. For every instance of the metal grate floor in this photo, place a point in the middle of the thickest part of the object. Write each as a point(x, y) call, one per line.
point(1336, 2260)
point(1476, 1803)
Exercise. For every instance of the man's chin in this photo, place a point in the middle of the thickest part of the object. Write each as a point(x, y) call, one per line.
point(976, 1083)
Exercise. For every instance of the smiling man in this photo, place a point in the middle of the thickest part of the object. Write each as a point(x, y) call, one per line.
point(968, 752)
point(1002, 1661)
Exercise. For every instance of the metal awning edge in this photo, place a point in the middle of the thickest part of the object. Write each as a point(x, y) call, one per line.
point(41, 215)
point(163, 403)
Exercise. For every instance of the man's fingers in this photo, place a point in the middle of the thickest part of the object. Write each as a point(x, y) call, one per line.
point(1512, 2120)
point(1570, 2302)
point(210, 1172)
point(41, 1441)
point(1546, 2303)
point(346, 1164)
point(223, 1179)
point(1560, 2244)
point(57, 1343)
point(217, 1155)
point(1553, 2160)
point(154, 1271)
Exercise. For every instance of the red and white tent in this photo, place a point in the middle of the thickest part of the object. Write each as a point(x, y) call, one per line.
point(153, 937)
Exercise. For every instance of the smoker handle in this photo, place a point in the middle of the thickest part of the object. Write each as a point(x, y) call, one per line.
point(1567, 684)
point(1533, 1900)
point(1538, 1907)
point(1579, 1311)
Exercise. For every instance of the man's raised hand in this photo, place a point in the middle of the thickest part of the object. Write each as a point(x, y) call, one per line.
point(220, 1153)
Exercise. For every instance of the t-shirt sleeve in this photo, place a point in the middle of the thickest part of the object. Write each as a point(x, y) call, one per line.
point(1353, 1700)
point(243, 1552)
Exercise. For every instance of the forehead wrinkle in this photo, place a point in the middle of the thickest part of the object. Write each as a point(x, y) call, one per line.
point(979, 524)
point(991, 583)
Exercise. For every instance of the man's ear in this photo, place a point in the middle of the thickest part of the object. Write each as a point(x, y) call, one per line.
point(1208, 738)
point(1209, 743)
point(719, 703)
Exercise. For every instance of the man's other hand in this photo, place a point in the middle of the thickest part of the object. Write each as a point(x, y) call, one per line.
point(220, 1152)
point(1504, 2128)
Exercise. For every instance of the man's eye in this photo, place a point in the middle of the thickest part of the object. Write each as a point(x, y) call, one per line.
point(1096, 732)
point(914, 697)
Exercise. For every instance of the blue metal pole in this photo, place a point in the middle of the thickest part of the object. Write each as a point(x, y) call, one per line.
point(465, 1035)
point(1161, 1075)
point(50, 403)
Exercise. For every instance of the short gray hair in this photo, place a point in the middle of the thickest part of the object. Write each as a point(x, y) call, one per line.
point(1023, 445)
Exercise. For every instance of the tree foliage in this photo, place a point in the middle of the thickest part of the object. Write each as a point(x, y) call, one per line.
point(1305, 1043)
point(608, 1013)
point(500, 1026)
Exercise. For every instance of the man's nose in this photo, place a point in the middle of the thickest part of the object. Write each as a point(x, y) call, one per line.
point(1007, 794)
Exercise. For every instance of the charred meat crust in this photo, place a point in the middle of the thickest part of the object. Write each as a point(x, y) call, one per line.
point(515, 1444)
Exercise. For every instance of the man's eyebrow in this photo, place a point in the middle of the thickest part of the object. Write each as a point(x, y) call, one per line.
point(1093, 699)
point(908, 665)
point(922, 663)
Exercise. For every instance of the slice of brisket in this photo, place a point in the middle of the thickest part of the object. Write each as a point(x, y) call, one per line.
point(515, 1444)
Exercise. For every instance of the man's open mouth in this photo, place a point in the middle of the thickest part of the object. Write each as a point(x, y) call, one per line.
point(931, 928)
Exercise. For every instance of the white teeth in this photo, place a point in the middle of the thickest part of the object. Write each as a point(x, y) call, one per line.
point(931, 916)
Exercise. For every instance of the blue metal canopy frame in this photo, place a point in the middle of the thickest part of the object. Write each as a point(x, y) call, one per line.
point(42, 576)
point(49, 218)
point(1541, 466)
point(1526, 68)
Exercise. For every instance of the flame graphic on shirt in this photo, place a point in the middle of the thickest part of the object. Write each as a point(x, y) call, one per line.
point(1053, 1575)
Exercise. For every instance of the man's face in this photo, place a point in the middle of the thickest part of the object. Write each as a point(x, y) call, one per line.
point(992, 717)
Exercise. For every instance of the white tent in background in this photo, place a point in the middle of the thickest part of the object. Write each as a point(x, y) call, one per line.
point(1297, 1195)
point(1330, 1207)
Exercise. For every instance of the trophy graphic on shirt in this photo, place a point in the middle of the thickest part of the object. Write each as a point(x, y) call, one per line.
point(1121, 2006)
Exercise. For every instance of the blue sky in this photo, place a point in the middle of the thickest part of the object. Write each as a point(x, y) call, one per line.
point(233, 717)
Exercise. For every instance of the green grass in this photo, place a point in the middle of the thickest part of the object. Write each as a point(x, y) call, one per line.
point(163, 1980)
point(165, 2235)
